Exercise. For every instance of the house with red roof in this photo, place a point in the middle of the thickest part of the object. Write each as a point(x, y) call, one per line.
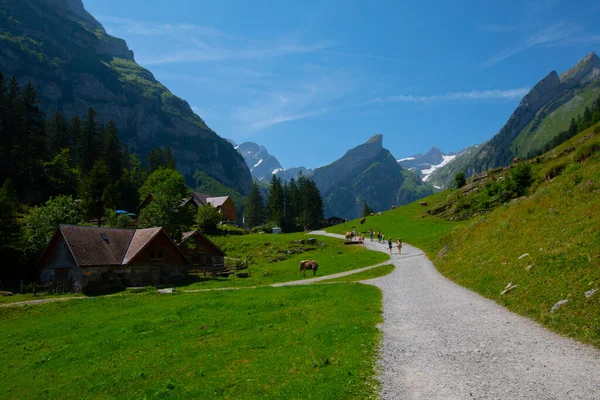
point(223, 204)
point(86, 258)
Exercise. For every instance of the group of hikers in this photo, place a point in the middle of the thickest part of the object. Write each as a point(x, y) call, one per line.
point(380, 236)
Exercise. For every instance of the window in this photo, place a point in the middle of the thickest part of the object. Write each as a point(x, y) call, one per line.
point(156, 255)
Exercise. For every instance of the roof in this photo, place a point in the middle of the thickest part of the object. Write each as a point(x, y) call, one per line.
point(89, 247)
point(200, 198)
point(217, 201)
point(140, 239)
point(187, 235)
point(92, 245)
point(333, 217)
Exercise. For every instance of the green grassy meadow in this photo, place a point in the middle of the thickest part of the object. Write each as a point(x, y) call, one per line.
point(317, 341)
point(408, 222)
point(368, 274)
point(270, 259)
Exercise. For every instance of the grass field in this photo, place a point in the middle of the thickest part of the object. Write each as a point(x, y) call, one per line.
point(408, 223)
point(317, 341)
point(368, 274)
point(275, 258)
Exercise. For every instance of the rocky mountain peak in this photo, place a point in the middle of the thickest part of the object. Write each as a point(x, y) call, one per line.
point(590, 64)
point(376, 139)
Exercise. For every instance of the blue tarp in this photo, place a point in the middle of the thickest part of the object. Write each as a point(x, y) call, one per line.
point(122, 212)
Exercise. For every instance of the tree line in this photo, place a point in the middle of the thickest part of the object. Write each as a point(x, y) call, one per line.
point(292, 206)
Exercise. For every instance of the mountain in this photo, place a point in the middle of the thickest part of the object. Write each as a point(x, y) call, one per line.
point(367, 173)
point(74, 64)
point(442, 176)
point(263, 165)
point(542, 114)
point(426, 164)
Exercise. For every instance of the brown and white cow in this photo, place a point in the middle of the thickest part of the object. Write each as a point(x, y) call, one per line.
point(308, 265)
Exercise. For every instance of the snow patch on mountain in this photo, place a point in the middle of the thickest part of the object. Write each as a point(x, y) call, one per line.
point(405, 159)
point(258, 163)
point(426, 173)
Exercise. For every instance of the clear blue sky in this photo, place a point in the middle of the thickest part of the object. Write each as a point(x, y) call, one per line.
point(311, 79)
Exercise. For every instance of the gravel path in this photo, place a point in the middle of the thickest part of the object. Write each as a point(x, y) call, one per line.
point(442, 341)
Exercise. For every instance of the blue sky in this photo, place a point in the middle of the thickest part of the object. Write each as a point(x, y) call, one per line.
point(312, 79)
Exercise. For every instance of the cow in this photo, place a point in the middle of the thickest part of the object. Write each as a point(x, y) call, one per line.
point(308, 264)
point(362, 220)
point(349, 235)
point(424, 204)
point(516, 160)
point(393, 207)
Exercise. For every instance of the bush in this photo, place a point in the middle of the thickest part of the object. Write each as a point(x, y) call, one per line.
point(207, 218)
point(460, 179)
point(521, 178)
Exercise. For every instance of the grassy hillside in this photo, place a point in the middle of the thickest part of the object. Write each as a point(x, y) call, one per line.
point(409, 223)
point(298, 342)
point(552, 120)
point(546, 242)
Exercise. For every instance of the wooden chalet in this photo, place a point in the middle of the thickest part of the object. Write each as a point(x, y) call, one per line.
point(83, 258)
point(223, 204)
point(334, 221)
point(200, 250)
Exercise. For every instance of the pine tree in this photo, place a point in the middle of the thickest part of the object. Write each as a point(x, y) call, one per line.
point(57, 131)
point(275, 203)
point(169, 159)
point(87, 142)
point(113, 154)
point(10, 229)
point(155, 160)
point(292, 206)
point(367, 210)
point(255, 209)
point(97, 192)
point(311, 215)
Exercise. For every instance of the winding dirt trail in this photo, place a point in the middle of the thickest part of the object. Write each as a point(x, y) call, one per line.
point(442, 341)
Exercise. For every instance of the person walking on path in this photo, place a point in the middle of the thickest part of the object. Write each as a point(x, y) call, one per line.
point(382, 238)
point(371, 234)
point(399, 245)
point(390, 244)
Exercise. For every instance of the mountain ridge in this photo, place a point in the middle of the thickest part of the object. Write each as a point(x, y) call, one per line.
point(367, 173)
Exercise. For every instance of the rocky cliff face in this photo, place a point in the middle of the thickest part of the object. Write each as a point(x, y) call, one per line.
point(526, 130)
point(263, 165)
point(75, 64)
point(367, 173)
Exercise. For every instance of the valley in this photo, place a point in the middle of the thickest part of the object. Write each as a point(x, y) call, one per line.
point(153, 247)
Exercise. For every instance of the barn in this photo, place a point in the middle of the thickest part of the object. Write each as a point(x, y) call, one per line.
point(200, 250)
point(84, 258)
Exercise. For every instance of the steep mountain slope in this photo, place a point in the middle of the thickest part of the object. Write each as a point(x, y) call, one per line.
point(443, 176)
point(428, 163)
point(263, 165)
point(258, 159)
point(551, 100)
point(367, 173)
point(75, 64)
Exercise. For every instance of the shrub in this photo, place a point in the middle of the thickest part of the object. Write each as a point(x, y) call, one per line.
point(460, 179)
point(521, 178)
